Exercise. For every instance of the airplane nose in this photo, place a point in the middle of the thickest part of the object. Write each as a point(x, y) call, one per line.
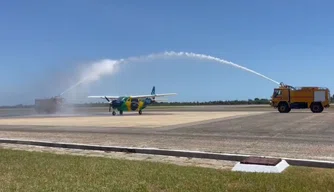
point(115, 103)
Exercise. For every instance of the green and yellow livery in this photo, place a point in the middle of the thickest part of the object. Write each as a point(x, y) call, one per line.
point(131, 103)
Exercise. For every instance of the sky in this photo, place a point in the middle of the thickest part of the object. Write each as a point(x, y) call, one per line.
point(45, 45)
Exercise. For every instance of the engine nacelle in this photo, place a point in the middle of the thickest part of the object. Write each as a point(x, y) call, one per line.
point(116, 103)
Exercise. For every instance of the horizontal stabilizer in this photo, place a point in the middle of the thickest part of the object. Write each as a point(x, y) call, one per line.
point(165, 94)
point(160, 100)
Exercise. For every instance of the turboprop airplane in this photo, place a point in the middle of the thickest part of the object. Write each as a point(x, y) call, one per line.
point(131, 103)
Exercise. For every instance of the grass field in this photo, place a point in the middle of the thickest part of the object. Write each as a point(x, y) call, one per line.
point(36, 171)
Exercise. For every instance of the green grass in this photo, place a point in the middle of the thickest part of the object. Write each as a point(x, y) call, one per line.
point(36, 171)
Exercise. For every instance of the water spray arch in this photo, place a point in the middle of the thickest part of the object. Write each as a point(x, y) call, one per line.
point(108, 67)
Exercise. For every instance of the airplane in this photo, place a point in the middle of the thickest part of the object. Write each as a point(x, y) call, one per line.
point(131, 103)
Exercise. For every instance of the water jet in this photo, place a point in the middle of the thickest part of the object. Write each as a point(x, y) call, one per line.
point(107, 66)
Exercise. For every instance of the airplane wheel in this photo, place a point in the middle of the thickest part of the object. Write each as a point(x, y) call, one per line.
point(140, 112)
point(114, 113)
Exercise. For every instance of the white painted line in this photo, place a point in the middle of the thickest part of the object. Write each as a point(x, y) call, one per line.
point(279, 168)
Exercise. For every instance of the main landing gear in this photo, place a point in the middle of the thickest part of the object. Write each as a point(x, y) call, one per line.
point(121, 112)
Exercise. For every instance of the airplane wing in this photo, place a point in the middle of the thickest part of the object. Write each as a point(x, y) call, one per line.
point(104, 97)
point(156, 95)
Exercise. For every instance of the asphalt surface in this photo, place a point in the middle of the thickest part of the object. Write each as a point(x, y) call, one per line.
point(85, 111)
point(298, 134)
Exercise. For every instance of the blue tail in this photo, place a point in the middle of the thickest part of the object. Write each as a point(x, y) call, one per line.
point(153, 91)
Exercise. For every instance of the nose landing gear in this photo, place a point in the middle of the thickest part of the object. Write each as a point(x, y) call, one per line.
point(114, 113)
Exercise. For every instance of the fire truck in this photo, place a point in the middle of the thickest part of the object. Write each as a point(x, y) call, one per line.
point(49, 105)
point(287, 97)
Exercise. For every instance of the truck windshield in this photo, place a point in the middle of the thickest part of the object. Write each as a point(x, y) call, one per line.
point(276, 93)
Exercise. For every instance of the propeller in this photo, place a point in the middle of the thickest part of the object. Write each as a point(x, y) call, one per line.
point(110, 103)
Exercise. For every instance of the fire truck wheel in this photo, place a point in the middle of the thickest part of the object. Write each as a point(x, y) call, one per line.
point(283, 108)
point(317, 108)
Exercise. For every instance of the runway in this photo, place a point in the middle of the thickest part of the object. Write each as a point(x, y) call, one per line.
point(93, 111)
point(247, 130)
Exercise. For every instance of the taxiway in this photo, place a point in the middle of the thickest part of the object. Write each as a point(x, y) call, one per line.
point(246, 130)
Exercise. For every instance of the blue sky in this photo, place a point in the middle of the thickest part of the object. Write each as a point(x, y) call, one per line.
point(44, 43)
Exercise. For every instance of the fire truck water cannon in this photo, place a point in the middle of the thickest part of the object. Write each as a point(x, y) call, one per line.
point(286, 86)
point(287, 97)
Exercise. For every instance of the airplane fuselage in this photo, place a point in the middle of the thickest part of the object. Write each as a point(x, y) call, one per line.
point(130, 104)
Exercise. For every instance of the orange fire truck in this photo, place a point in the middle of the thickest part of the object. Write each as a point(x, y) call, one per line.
point(287, 97)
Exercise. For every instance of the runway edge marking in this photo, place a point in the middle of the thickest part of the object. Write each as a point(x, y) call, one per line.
point(166, 152)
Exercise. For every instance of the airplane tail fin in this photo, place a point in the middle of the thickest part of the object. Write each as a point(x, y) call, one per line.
point(153, 91)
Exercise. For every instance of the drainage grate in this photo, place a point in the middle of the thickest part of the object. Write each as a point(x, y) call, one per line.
point(261, 161)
